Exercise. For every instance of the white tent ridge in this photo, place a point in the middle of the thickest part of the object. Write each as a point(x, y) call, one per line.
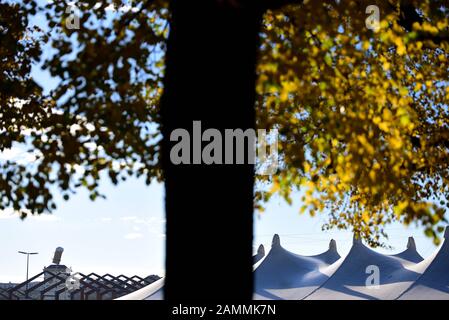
point(433, 282)
point(283, 275)
point(351, 280)
point(155, 290)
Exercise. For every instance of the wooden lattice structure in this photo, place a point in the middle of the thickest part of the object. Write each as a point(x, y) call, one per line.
point(89, 287)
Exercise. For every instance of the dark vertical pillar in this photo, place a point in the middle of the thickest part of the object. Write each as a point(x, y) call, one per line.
point(210, 77)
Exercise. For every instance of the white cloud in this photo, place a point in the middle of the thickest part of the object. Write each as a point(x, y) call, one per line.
point(128, 218)
point(123, 8)
point(19, 155)
point(133, 236)
point(4, 216)
point(9, 214)
point(154, 226)
point(45, 218)
point(79, 170)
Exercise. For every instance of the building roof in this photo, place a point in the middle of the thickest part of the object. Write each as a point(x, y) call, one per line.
point(362, 274)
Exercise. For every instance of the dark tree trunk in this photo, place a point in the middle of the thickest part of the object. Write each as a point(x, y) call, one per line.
point(210, 76)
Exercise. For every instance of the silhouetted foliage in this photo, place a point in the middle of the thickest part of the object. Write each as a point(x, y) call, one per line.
point(362, 115)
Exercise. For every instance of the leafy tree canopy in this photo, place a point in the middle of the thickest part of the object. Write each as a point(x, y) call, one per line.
point(362, 114)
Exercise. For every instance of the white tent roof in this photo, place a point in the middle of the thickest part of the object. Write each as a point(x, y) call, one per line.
point(410, 254)
point(153, 291)
point(433, 283)
point(259, 255)
point(284, 275)
point(351, 280)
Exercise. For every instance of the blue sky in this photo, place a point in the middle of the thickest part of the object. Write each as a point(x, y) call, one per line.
point(125, 233)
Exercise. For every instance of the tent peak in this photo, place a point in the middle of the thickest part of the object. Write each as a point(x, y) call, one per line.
point(276, 241)
point(259, 255)
point(333, 245)
point(356, 239)
point(261, 250)
point(411, 243)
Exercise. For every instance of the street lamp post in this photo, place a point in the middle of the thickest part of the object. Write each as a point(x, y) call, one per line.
point(28, 265)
